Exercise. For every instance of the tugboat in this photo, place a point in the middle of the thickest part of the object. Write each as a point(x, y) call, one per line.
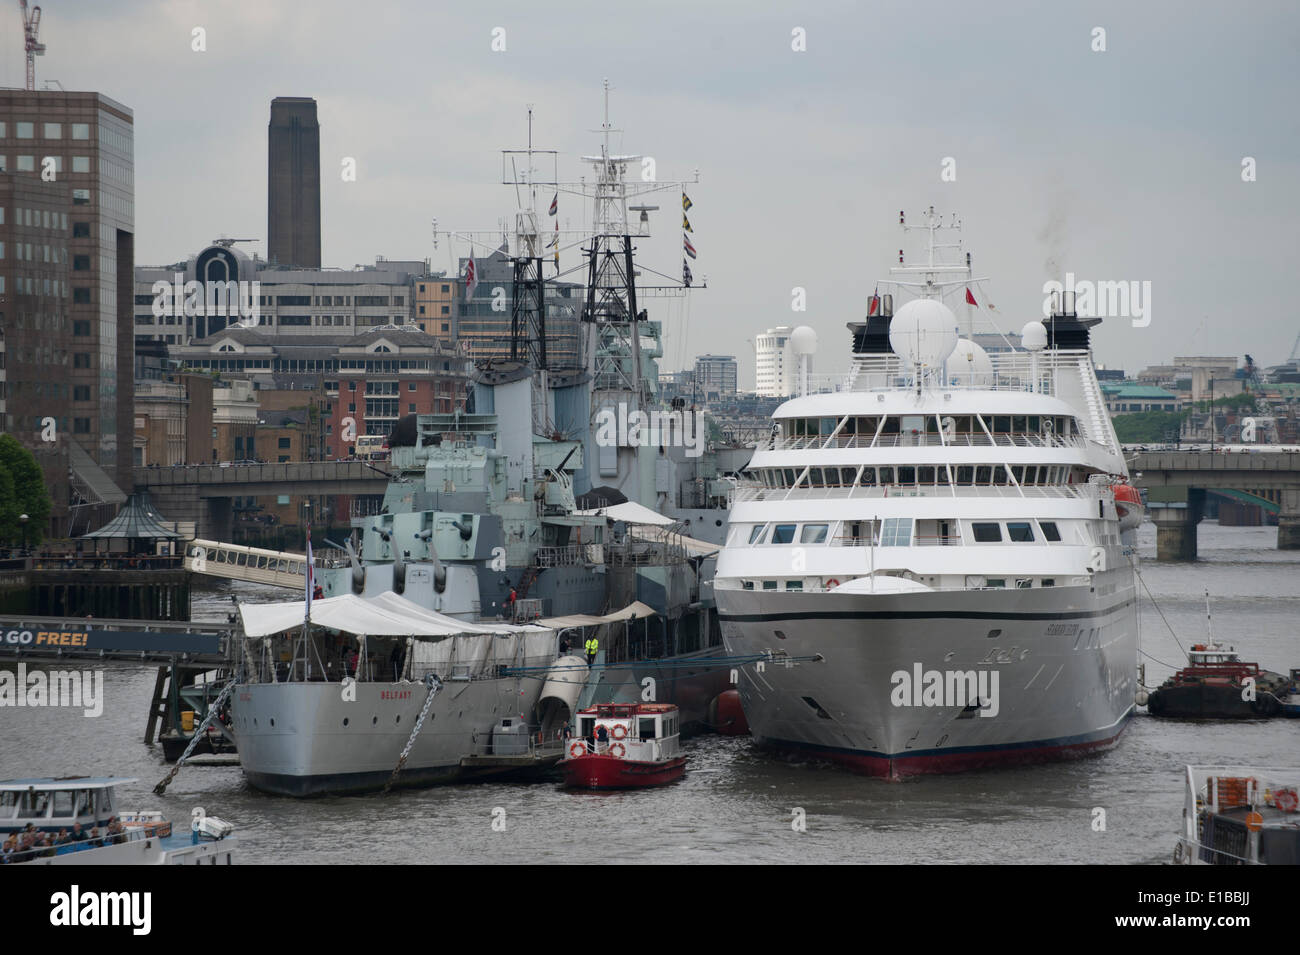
point(1240, 815)
point(625, 746)
point(1214, 685)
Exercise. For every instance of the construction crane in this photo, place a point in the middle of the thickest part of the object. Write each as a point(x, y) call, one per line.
point(34, 48)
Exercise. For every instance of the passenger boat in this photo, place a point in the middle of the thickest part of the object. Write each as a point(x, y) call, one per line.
point(73, 819)
point(1240, 815)
point(641, 746)
point(935, 563)
point(1217, 684)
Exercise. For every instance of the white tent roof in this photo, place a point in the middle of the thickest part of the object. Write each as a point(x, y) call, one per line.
point(629, 511)
point(693, 545)
point(387, 615)
point(634, 609)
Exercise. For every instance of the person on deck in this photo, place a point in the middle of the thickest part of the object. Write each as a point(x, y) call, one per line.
point(592, 647)
point(602, 738)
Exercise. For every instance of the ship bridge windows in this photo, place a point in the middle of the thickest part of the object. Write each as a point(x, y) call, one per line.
point(896, 532)
point(783, 533)
point(1020, 532)
point(813, 533)
point(756, 534)
point(986, 533)
point(1050, 531)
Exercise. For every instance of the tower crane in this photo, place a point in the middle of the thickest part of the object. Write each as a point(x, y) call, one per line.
point(34, 48)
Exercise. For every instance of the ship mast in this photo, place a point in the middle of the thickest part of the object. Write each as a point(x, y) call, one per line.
point(930, 284)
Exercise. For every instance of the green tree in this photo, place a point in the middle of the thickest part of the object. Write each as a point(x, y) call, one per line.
point(24, 493)
point(1148, 427)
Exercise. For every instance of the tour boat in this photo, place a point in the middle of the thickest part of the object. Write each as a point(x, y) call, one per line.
point(1239, 815)
point(640, 746)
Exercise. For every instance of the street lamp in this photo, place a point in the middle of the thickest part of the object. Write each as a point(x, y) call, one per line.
point(23, 519)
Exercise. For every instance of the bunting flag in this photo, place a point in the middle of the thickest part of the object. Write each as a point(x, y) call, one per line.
point(690, 249)
point(686, 223)
point(686, 274)
point(686, 202)
point(471, 279)
point(970, 299)
point(555, 205)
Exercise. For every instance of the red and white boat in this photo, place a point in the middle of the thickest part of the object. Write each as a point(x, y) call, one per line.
point(625, 746)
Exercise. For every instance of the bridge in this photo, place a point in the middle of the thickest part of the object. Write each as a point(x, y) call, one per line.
point(1185, 477)
point(203, 493)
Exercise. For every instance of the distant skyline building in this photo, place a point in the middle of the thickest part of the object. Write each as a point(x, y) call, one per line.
point(775, 366)
point(67, 250)
point(715, 374)
point(293, 183)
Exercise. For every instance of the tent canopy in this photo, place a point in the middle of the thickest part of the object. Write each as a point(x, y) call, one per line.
point(630, 512)
point(693, 545)
point(138, 520)
point(387, 615)
point(636, 609)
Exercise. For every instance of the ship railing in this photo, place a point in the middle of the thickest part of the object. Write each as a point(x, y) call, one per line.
point(1011, 371)
point(1019, 439)
point(569, 555)
point(745, 493)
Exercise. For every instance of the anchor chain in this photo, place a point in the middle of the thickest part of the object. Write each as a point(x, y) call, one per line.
point(434, 685)
point(198, 735)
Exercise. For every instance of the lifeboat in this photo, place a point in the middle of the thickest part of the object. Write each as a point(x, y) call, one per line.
point(625, 746)
point(1128, 504)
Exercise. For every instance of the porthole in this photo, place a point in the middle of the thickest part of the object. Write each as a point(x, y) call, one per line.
point(272, 720)
point(374, 720)
point(345, 721)
point(398, 719)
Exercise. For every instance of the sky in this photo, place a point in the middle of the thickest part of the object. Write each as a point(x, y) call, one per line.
point(1115, 164)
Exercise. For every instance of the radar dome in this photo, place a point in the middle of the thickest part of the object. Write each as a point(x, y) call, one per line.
point(1033, 337)
point(923, 332)
point(803, 340)
point(969, 364)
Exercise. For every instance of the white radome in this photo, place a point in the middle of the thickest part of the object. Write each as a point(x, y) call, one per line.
point(970, 365)
point(1033, 337)
point(923, 332)
point(803, 340)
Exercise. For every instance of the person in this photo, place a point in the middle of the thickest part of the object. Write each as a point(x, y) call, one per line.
point(602, 737)
point(78, 834)
point(318, 593)
point(564, 646)
point(593, 647)
point(9, 848)
point(510, 603)
point(352, 661)
point(115, 833)
point(398, 659)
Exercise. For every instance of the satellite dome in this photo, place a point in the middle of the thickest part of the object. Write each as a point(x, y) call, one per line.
point(969, 364)
point(803, 340)
point(923, 332)
point(1033, 337)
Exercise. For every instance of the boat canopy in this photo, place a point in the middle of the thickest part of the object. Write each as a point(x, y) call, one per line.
point(629, 512)
point(387, 615)
point(635, 609)
point(49, 783)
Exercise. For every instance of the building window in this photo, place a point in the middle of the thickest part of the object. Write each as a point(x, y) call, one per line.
point(81, 230)
point(81, 359)
point(23, 130)
point(283, 444)
point(81, 296)
point(81, 329)
point(410, 386)
point(80, 130)
point(26, 164)
point(421, 309)
point(352, 386)
point(81, 197)
point(53, 130)
point(81, 426)
point(81, 164)
point(411, 408)
point(81, 393)
point(80, 263)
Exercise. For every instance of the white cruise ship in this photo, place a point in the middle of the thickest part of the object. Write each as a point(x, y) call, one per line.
point(936, 561)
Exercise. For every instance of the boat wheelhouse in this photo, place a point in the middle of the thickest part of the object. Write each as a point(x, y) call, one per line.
point(1240, 815)
point(625, 746)
point(50, 804)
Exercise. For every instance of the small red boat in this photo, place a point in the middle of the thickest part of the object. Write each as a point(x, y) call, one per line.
point(625, 746)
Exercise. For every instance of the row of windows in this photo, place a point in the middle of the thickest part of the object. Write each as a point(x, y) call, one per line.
point(988, 583)
point(870, 425)
point(306, 366)
point(48, 131)
point(37, 218)
point(910, 475)
point(897, 532)
point(26, 285)
point(27, 251)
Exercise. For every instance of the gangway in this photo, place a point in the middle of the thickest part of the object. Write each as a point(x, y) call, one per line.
point(238, 562)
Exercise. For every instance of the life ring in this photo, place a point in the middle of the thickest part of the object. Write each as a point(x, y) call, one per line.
point(577, 748)
point(618, 731)
point(1286, 800)
point(622, 750)
point(832, 583)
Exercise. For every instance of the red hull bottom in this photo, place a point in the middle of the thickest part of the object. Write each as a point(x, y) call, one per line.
point(895, 768)
point(598, 771)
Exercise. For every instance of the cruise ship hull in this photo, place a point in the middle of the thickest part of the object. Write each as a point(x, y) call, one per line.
point(903, 684)
point(306, 739)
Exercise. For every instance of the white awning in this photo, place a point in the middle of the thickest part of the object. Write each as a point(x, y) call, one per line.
point(629, 511)
point(693, 545)
point(371, 617)
point(636, 609)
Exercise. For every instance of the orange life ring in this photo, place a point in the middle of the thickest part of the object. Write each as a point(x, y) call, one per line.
point(832, 583)
point(618, 731)
point(1286, 800)
point(622, 750)
point(577, 748)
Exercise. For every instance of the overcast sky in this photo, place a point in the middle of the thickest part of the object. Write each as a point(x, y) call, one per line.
point(1116, 165)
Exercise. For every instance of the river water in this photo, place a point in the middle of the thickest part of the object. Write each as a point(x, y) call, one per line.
point(737, 803)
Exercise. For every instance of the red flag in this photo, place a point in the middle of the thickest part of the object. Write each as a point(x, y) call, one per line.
point(874, 306)
point(970, 299)
point(471, 279)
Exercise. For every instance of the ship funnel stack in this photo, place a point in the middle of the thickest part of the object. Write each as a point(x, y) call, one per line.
point(1065, 329)
point(872, 335)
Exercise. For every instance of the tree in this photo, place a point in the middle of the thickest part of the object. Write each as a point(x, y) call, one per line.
point(24, 492)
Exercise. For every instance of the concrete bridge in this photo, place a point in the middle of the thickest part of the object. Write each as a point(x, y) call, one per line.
point(204, 493)
point(1184, 477)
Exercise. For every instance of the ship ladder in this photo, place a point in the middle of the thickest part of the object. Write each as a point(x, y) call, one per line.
point(434, 685)
point(198, 735)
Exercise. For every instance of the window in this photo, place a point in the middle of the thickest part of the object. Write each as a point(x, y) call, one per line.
point(81, 393)
point(26, 164)
point(81, 426)
point(81, 296)
point(53, 130)
point(410, 386)
point(996, 582)
point(81, 230)
point(81, 329)
point(897, 532)
point(80, 130)
point(813, 534)
point(81, 359)
point(1050, 531)
point(746, 585)
point(769, 585)
point(352, 386)
point(794, 585)
point(81, 197)
point(23, 130)
point(1049, 582)
point(783, 534)
point(987, 534)
point(81, 164)
point(757, 533)
point(1020, 532)
point(80, 263)
point(411, 408)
